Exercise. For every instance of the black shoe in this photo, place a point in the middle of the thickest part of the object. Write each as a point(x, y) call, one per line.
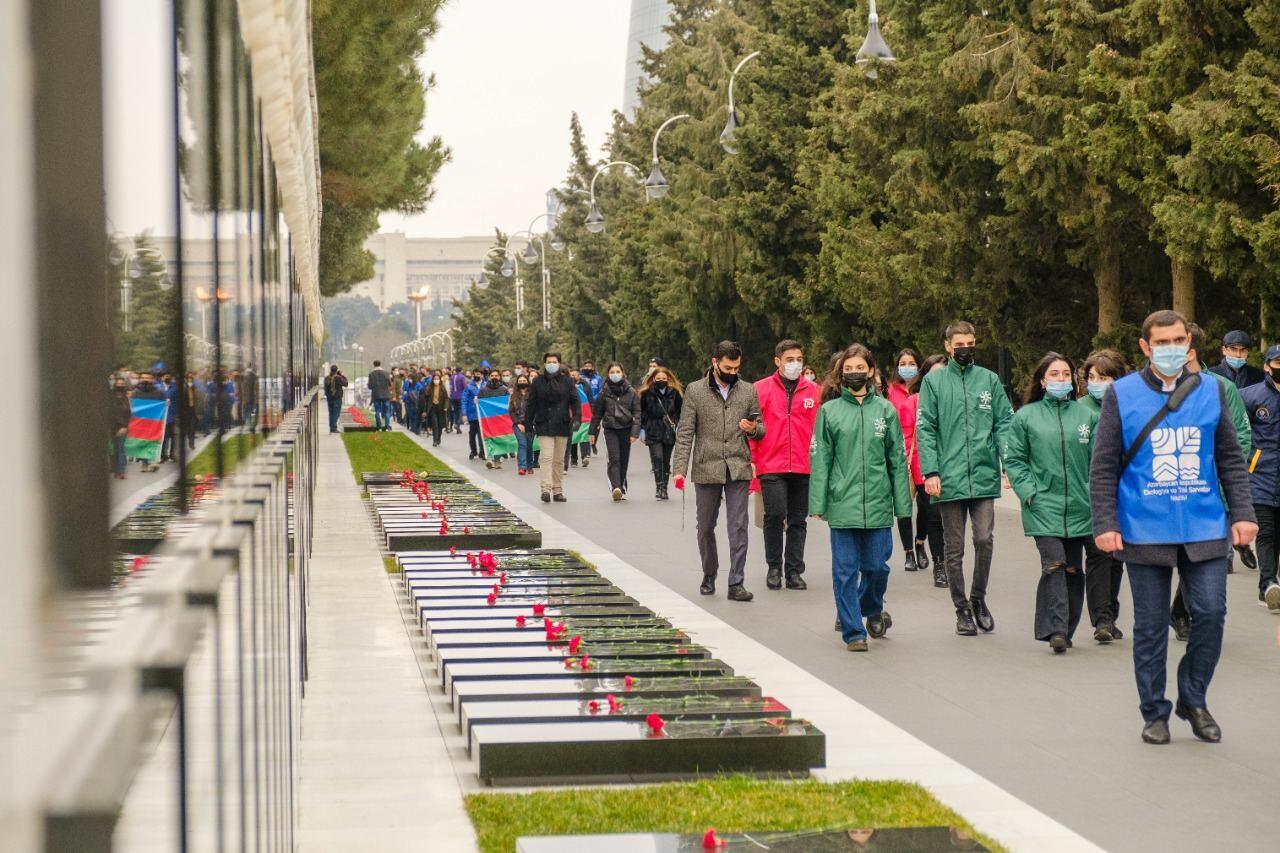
point(911, 562)
point(1116, 633)
point(708, 585)
point(922, 562)
point(1203, 725)
point(546, 497)
point(1058, 642)
point(1181, 627)
point(839, 627)
point(737, 592)
point(1102, 633)
point(879, 625)
point(796, 582)
point(939, 575)
point(662, 493)
point(472, 456)
point(1156, 731)
point(559, 499)
point(773, 580)
point(964, 622)
point(1249, 558)
point(982, 615)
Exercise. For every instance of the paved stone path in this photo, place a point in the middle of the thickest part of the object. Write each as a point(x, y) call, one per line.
point(1060, 733)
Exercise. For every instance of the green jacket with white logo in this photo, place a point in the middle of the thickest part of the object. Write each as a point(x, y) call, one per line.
point(1239, 414)
point(961, 417)
point(1047, 449)
point(858, 476)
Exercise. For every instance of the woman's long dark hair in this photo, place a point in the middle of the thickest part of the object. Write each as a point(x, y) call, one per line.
point(832, 384)
point(893, 377)
point(1035, 390)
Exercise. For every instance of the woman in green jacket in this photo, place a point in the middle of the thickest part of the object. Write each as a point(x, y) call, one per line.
point(859, 483)
point(1103, 572)
point(1046, 454)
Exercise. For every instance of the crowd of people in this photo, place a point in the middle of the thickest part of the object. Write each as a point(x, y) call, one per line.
point(225, 400)
point(1169, 467)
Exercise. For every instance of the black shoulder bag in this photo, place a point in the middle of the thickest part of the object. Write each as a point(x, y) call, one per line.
point(1175, 401)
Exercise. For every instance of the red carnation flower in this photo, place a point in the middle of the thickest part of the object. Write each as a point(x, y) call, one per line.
point(520, 621)
point(594, 706)
point(628, 681)
point(539, 609)
point(655, 724)
point(491, 599)
point(711, 842)
point(574, 642)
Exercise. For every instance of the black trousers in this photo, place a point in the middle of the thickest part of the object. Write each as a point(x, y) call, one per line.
point(1103, 575)
point(475, 440)
point(786, 513)
point(928, 523)
point(660, 460)
point(1268, 522)
point(1060, 593)
point(618, 444)
point(435, 422)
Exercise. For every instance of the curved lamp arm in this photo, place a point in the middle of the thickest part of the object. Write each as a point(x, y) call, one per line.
point(734, 75)
point(663, 127)
point(606, 167)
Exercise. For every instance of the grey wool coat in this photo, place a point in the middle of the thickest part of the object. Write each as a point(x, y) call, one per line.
point(709, 432)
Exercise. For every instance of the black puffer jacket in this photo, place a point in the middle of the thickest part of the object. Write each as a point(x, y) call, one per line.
point(659, 415)
point(617, 407)
point(553, 407)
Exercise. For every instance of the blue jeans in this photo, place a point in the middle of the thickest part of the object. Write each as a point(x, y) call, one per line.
point(859, 575)
point(524, 455)
point(1205, 586)
point(382, 414)
point(335, 409)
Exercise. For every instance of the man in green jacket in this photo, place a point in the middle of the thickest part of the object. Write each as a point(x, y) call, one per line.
point(962, 415)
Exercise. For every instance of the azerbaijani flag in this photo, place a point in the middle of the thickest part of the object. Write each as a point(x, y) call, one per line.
point(580, 434)
point(146, 429)
point(495, 426)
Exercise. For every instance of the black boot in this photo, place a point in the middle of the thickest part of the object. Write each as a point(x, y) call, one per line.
point(922, 562)
point(964, 622)
point(939, 574)
point(774, 579)
point(982, 615)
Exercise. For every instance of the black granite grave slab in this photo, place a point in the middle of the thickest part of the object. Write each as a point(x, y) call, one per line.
point(522, 603)
point(429, 591)
point(907, 839)
point(511, 584)
point(393, 478)
point(572, 687)
point(536, 636)
point(629, 708)
point(449, 659)
point(607, 668)
point(549, 752)
point(434, 615)
point(478, 538)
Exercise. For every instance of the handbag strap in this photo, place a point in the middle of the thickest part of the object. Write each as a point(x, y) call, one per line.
point(1172, 404)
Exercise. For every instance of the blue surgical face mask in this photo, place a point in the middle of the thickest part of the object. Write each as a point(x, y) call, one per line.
point(1169, 359)
point(1236, 362)
point(1058, 390)
point(908, 372)
point(1098, 390)
point(552, 368)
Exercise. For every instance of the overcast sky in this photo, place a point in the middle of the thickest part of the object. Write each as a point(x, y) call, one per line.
point(508, 75)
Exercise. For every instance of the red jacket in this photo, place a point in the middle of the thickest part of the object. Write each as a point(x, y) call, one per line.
point(907, 417)
point(787, 432)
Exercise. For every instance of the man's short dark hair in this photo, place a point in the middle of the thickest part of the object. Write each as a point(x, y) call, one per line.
point(787, 344)
point(727, 349)
point(547, 355)
point(1199, 340)
point(1107, 362)
point(960, 327)
point(377, 363)
point(1161, 319)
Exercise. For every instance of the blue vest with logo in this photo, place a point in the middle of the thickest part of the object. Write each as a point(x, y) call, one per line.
point(1169, 493)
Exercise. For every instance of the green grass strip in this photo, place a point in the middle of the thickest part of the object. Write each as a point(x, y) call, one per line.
point(390, 564)
point(729, 804)
point(389, 451)
point(237, 447)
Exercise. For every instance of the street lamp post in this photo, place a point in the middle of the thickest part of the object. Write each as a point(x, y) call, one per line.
point(530, 257)
point(727, 136)
point(417, 299)
point(656, 186)
point(204, 297)
point(595, 219)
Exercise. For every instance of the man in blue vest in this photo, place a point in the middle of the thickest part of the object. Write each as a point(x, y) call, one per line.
point(1169, 489)
point(1262, 402)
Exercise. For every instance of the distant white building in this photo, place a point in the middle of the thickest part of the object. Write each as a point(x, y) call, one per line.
point(648, 17)
point(402, 265)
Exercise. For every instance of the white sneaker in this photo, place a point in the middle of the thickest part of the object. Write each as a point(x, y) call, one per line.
point(1272, 596)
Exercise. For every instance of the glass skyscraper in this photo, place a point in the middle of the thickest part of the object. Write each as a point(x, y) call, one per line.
point(647, 20)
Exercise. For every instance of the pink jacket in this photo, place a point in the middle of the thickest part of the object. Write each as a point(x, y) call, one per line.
point(787, 431)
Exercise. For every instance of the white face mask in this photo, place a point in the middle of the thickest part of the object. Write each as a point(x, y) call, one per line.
point(615, 377)
point(552, 368)
point(792, 370)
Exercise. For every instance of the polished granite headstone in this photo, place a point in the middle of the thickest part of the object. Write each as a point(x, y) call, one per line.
point(913, 839)
point(571, 687)
point(508, 625)
point(519, 753)
point(482, 586)
point(623, 607)
point(684, 667)
point(537, 636)
point(623, 707)
point(449, 659)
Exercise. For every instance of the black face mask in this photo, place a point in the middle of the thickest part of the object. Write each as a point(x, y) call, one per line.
point(854, 381)
point(494, 383)
point(660, 384)
point(1274, 373)
point(729, 379)
point(522, 384)
point(963, 356)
